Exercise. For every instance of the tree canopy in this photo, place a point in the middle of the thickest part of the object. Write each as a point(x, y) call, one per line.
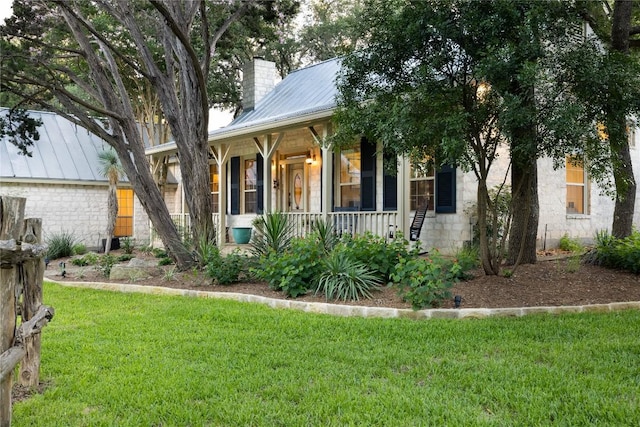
point(407, 88)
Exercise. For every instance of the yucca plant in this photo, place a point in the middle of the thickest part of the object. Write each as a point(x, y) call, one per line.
point(272, 233)
point(342, 278)
point(326, 234)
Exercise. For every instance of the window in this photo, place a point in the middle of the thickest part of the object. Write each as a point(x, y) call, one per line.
point(250, 186)
point(215, 188)
point(577, 189)
point(124, 220)
point(422, 184)
point(350, 178)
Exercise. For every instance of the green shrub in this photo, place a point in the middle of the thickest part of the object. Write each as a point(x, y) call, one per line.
point(468, 258)
point(89, 258)
point(159, 253)
point(225, 270)
point(570, 245)
point(273, 232)
point(345, 278)
point(124, 257)
point(165, 261)
point(60, 245)
point(426, 282)
point(127, 244)
point(376, 253)
point(293, 272)
point(105, 263)
point(623, 254)
point(79, 249)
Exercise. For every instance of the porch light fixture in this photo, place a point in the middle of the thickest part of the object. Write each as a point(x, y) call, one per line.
point(276, 184)
point(309, 160)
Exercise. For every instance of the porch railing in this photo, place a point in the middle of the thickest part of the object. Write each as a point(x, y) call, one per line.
point(383, 224)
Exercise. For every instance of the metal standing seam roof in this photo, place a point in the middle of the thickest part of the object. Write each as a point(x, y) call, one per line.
point(307, 90)
point(63, 152)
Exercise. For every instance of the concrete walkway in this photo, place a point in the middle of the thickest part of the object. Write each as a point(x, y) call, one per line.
point(357, 311)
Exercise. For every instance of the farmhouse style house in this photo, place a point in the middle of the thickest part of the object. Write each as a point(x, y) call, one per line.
point(276, 156)
point(64, 187)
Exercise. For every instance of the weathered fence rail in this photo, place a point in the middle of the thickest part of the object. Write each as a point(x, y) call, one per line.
point(21, 277)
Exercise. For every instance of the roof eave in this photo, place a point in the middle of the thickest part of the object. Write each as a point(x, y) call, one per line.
point(232, 134)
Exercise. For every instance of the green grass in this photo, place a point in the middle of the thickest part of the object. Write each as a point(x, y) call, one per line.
point(143, 360)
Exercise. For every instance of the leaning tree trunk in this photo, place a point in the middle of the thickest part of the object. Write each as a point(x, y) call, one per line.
point(524, 225)
point(112, 215)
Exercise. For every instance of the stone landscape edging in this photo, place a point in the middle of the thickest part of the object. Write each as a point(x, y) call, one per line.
point(357, 311)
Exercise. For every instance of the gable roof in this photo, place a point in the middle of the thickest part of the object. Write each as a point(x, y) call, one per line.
point(63, 152)
point(305, 91)
point(303, 96)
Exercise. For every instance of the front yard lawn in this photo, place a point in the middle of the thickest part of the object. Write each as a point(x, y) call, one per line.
point(134, 359)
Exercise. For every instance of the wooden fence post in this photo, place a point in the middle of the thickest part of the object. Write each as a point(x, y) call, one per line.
point(11, 223)
point(32, 277)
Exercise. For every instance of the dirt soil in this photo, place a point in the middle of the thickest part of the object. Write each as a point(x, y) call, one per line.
point(556, 279)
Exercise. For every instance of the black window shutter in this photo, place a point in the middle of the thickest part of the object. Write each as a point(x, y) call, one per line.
point(235, 185)
point(390, 183)
point(260, 183)
point(446, 190)
point(367, 175)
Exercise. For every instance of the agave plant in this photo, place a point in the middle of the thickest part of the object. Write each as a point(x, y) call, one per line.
point(272, 233)
point(346, 279)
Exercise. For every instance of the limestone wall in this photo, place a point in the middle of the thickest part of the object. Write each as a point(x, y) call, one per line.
point(76, 209)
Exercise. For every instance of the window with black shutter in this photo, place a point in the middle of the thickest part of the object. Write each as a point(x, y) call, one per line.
point(367, 175)
point(234, 164)
point(446, 190)
point(260, 183)
point(390, 183)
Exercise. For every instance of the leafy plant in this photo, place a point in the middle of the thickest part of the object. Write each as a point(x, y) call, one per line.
point(169, 275)
point(60, 245)
point(124, 257)
point(376, 253)
point(165, 261)
point(273, 232)
point(426, 282)
point(225, 270)
point(623, 254)
point(127, 244)
point(570, 245)
point(79, 249)
point(105, 263)
point(89, 258)
point(345, 278)
point(293, 272)
point(159, 253)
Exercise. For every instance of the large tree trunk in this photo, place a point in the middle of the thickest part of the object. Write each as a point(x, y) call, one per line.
point(525, 212)
point(618, 138)
point(112, 216)
point(625, 182)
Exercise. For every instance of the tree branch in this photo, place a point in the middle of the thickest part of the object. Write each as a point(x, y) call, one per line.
point(226, 24)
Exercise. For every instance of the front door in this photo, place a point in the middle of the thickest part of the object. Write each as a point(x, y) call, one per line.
point(296, 187)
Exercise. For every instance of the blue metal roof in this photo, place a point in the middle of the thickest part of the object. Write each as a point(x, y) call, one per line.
point(63, 152)
point(305, 91)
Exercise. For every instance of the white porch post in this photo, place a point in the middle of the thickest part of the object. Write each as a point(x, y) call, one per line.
point(404, 193)
point(267, 148)
point(222, 156)
point(327, 172)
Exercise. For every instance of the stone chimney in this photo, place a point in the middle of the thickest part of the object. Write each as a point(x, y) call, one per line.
point(258, 79)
